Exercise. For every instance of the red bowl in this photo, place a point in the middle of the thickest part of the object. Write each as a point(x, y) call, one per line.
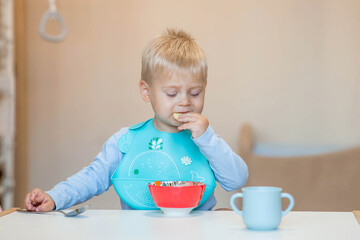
point(177, 194)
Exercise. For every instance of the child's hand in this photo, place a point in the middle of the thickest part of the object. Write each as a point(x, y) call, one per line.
point(196, 122)
point(39, 201)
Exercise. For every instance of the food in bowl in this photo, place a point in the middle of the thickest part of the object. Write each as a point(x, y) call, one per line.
point(176, 198)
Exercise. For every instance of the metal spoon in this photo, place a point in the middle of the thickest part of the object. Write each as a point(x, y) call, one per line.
point(72, 213)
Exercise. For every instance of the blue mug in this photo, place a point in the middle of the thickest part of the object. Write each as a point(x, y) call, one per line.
point(262, 207)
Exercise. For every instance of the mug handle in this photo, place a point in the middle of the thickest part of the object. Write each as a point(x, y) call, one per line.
point(291, 204)
point(232, 199)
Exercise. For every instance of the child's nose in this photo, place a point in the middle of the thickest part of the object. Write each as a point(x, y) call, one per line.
point(184, 100)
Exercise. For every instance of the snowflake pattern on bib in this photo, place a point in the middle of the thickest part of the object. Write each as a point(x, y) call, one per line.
point(186, 160)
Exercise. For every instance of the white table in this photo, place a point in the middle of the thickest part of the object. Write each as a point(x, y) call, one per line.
point(130, 224)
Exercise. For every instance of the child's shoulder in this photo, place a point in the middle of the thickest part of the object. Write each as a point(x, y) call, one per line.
point(125, 136)
point(120, 133)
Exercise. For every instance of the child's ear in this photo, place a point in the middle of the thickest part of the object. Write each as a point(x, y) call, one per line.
point(144, 90)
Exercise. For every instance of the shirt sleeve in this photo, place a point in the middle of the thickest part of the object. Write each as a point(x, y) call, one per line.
point(229, 169)
point(91, 180)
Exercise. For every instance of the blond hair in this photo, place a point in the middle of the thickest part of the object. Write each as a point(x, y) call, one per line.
point(175, 50)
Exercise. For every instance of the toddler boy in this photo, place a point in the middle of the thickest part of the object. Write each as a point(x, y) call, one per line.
point(180, 143)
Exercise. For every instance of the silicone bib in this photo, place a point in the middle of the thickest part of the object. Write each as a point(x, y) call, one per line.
point(151, 155)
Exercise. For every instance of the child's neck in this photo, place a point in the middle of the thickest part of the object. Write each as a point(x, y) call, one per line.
point(163, 127)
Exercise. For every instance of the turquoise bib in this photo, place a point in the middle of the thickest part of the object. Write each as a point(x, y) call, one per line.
point(151, 155)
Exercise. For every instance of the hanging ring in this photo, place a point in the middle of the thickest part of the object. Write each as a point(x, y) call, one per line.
point(52, 13)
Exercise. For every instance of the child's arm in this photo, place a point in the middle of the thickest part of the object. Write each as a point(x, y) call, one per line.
point(91, 180)
point(229, 169)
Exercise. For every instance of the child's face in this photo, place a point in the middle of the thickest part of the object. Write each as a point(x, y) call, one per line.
point(173, 93)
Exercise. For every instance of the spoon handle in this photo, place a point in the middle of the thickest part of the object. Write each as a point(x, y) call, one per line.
point(8, 211)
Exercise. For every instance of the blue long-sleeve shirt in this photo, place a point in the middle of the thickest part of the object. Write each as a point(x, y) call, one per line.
point(228, 167)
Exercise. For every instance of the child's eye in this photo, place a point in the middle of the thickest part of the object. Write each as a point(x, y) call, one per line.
point(194, 94)
point(171, 94)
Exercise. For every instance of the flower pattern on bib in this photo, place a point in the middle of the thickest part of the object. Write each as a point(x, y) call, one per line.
point(156, 143)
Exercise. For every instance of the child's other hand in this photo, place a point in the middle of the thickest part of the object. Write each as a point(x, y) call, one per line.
point(39, 201)
point(196, 122)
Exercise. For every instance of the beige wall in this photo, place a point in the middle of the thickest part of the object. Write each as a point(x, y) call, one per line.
point(290, 68)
